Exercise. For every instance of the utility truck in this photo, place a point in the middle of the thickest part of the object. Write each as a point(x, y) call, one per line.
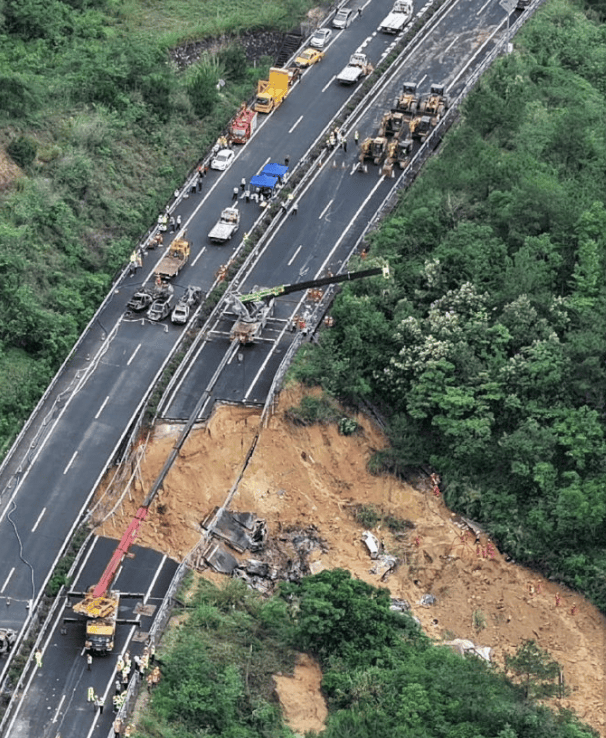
point(271, 93)
point(174, 260)
point(226, 226)
point(400, 14)
point(358, 67)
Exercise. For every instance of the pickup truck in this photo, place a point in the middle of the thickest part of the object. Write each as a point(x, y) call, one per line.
point(358, 67)
point(400, 14)
point(173, 261)
point(226, 226)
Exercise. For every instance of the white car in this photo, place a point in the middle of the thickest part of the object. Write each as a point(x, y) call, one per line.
point(320, 38)
point(343, 18)
point(222, 160)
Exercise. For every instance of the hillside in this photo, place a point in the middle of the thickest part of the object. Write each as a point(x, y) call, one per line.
point(313, 476)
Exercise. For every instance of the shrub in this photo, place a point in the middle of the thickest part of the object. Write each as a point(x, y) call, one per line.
point(22, 151)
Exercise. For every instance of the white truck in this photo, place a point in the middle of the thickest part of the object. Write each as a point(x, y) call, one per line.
point(358, 67)
point(226, 226)
point(400, 14)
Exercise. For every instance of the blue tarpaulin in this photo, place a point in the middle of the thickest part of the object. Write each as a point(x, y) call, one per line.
point(263, 180)
point(275, 170)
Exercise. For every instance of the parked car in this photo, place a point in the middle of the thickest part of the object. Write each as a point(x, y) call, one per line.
point(308, 57)
point(343, 18)
point(222, 160)
point(320, 38)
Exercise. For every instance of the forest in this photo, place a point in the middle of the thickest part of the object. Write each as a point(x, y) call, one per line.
point(381, 675)
point(98, 126)
point(485, 354)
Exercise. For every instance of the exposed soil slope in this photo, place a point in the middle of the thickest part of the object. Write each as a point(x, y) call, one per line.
point(303, 475)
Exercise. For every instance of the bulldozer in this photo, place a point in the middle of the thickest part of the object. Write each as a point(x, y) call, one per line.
point(435, 103)
point(392, 124)
point(408, 101)
point(421, 126)
point(373, 148)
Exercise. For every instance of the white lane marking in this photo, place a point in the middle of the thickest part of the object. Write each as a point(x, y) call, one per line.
point(265, 163)
point(447, 49)
point(100, 410)
point(294, 256)
point(133, 356)
point(422, 80)
point(39, 519)
point(71, 461)
point(328, 84)
point(6, 581)
point(56, 716)
point(483, 6)
point(295, 124)
point(202, 250)
point(323, 213)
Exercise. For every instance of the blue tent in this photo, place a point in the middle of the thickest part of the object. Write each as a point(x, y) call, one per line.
point(275, 170)
point(263, 180)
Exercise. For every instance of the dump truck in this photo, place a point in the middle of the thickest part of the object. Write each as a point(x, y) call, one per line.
point(226, 226)
point(400, 14)
point(271, 93)
point(174, 260)
point(357, 67)
point(407, 101)
point(242, 126)
point(102, 614)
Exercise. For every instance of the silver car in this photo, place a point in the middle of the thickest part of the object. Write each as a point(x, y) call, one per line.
point(320, 38)
point(343, 18)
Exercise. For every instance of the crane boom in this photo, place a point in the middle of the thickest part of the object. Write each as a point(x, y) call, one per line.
point(286, 289)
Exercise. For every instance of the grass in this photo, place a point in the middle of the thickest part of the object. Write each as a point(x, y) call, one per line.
point(174, 21)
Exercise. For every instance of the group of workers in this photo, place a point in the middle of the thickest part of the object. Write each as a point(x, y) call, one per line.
point(337, 138)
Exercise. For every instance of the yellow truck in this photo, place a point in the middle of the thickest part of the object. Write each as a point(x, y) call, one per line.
point(101, 613)
point(174, 260)
point(272, 92)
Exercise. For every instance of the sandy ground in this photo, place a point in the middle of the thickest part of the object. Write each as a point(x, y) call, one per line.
point(299, 476)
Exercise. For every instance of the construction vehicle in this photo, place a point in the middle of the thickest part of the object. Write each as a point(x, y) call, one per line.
point(226, 226)
point(434, 103)
point(357, 67)
point(242, 126)
point(420, 127)
point(373, 148)
point(407, 101)
point(398, 152)
point(101, 603)
point(256, 308)
point(272, 93)
point(399, 16)
point(174, 260)
point(392, 124)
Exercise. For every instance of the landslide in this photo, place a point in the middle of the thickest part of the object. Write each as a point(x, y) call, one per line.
point(313, 475)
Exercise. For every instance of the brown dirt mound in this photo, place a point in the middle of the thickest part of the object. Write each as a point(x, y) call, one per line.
point(312, 475)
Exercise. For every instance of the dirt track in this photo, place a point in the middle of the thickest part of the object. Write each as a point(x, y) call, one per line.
point(314, 475)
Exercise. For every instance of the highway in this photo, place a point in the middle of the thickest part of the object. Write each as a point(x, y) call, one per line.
point(122, 356)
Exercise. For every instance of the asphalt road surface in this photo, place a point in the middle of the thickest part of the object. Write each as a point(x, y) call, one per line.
point(54, 702)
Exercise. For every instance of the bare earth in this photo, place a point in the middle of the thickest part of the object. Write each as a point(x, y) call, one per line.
point(300, 476)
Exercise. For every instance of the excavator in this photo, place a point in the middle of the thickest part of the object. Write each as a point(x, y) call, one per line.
point(254, 309)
